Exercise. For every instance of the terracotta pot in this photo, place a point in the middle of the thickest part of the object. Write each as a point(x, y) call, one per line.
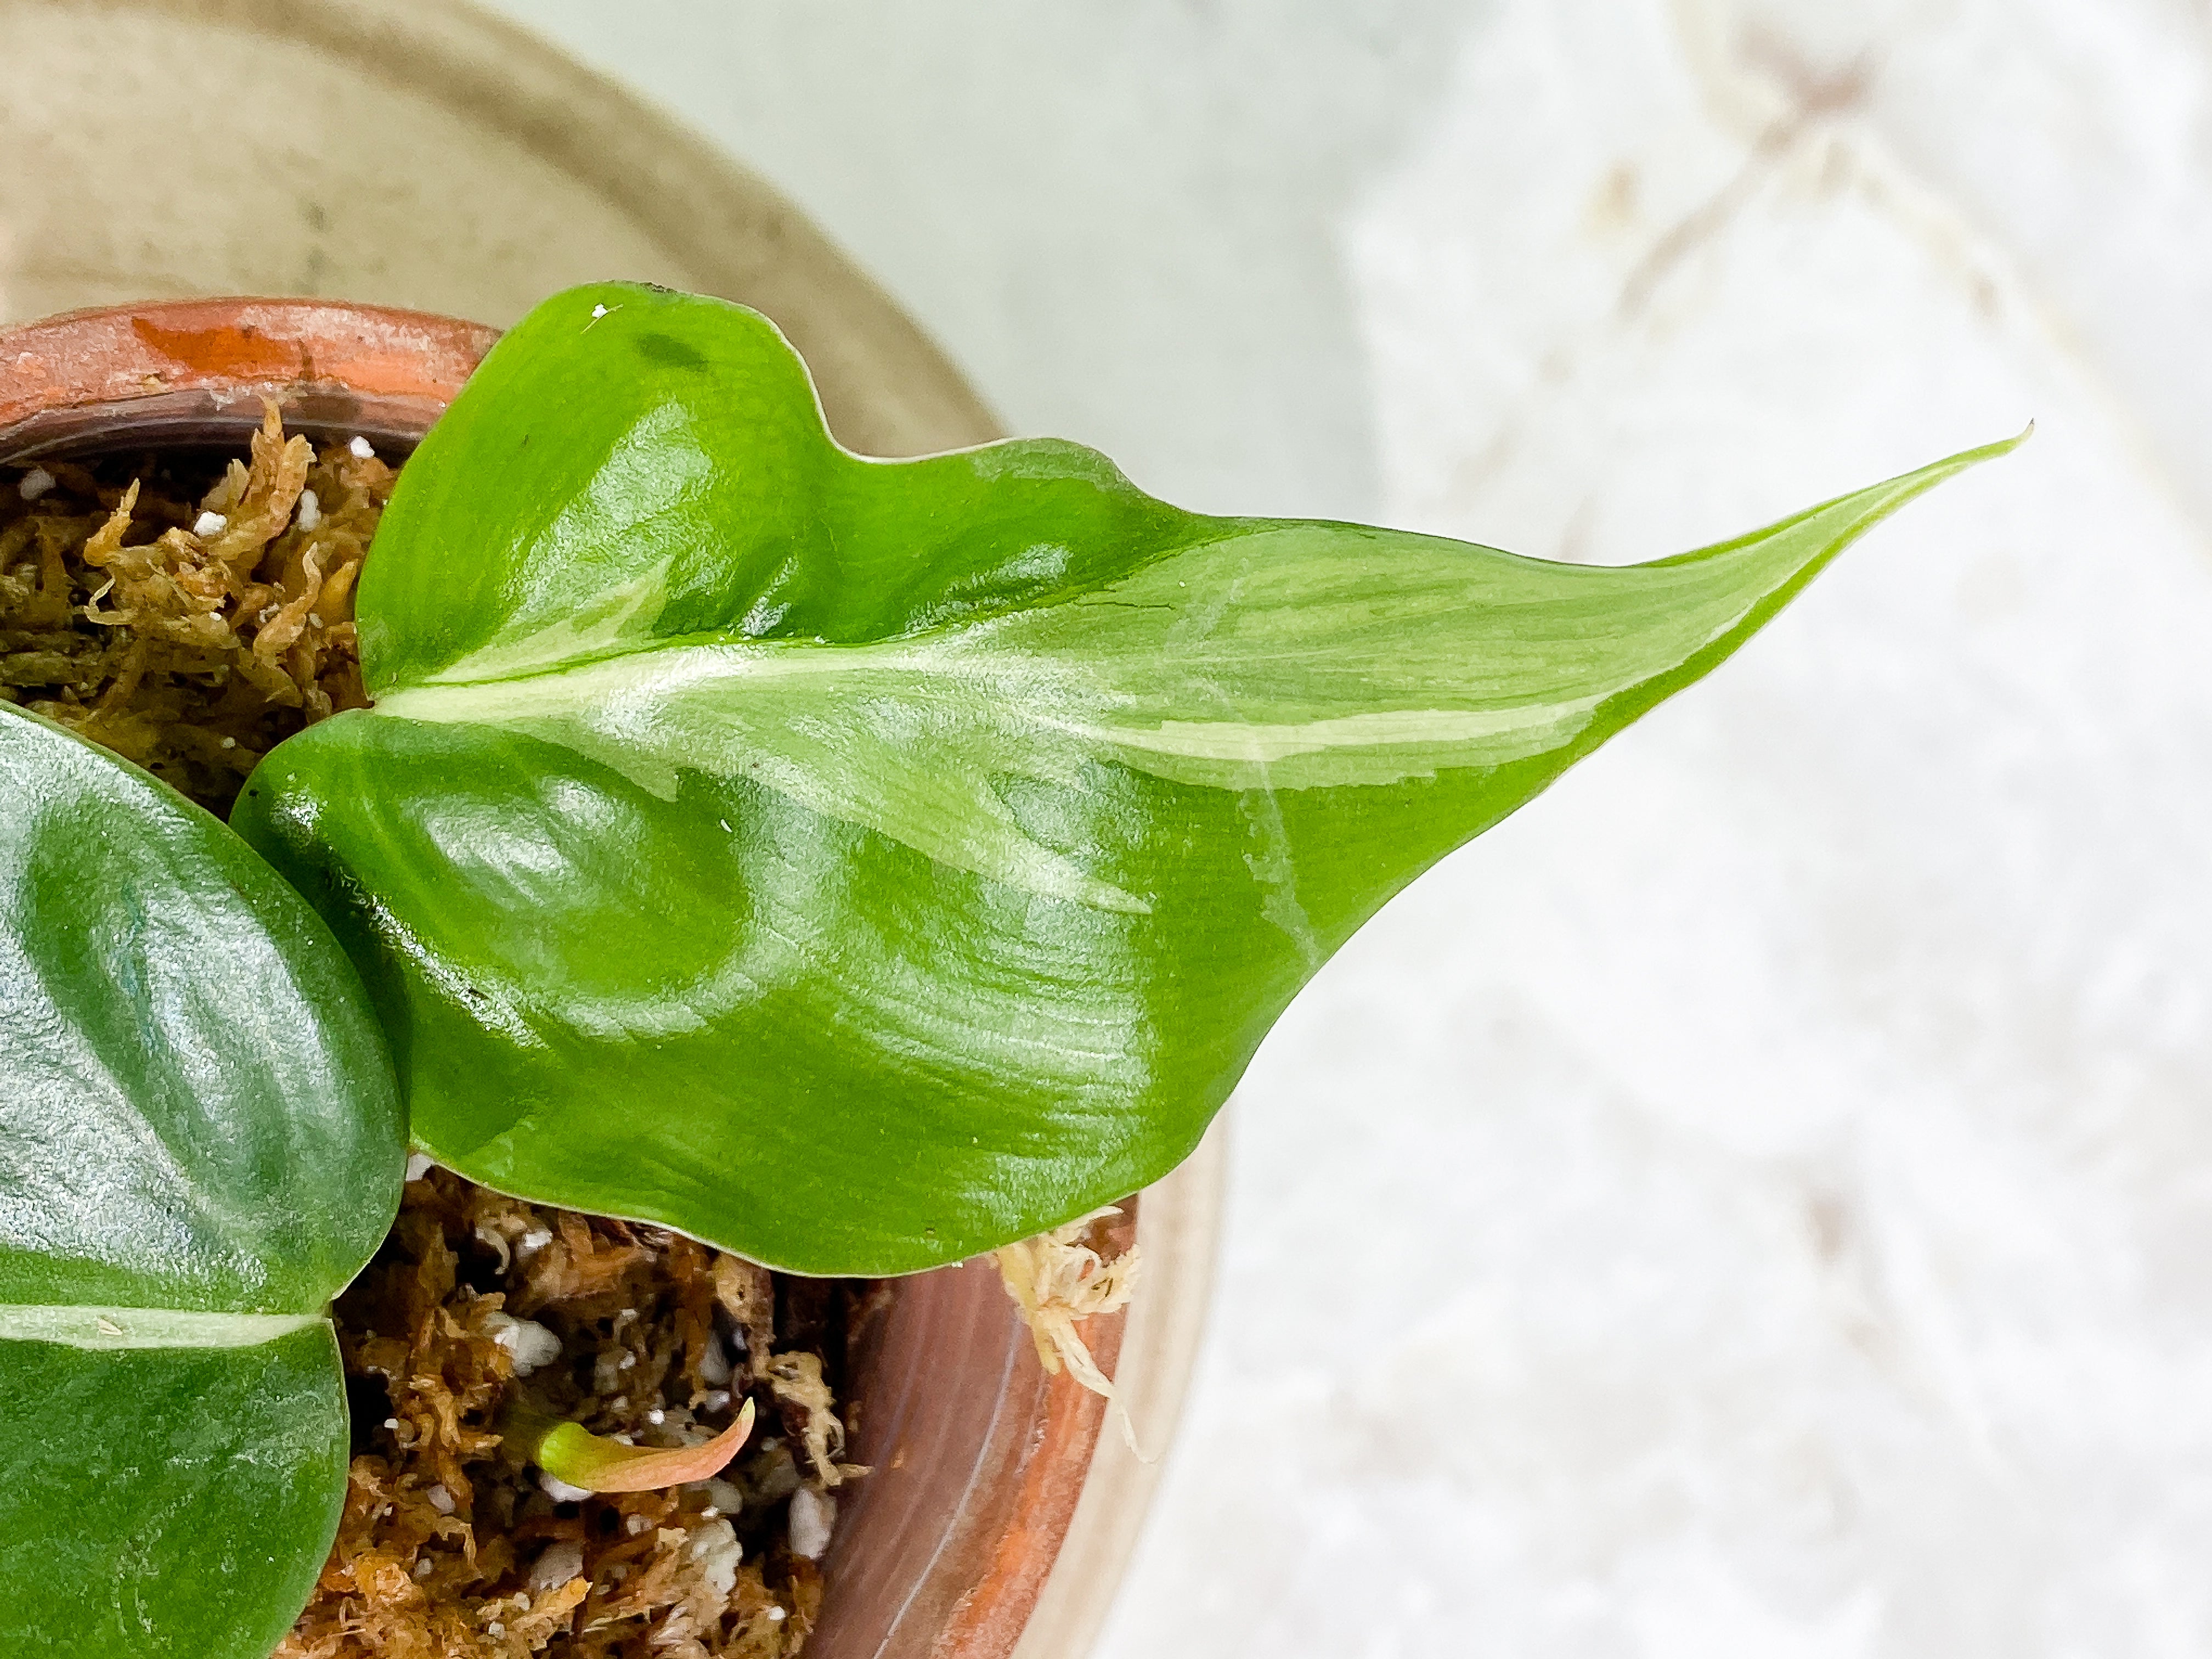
point(980, 1458)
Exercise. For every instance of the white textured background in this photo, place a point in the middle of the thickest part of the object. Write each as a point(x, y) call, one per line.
point(1758, 1201)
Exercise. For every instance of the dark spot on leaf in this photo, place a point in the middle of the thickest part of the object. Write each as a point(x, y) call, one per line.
point(667, 349)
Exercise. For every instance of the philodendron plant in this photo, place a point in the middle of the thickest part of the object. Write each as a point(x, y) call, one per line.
point(856, 865)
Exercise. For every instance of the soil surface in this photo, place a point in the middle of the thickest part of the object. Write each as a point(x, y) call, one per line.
point(189, 611)
point(451, 1545)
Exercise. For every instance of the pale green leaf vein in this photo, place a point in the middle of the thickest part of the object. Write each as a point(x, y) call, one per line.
point(100, 1328)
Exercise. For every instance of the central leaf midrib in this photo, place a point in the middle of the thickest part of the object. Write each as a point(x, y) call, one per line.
point(706, 639)
point(107, 1328)
point(777, 659)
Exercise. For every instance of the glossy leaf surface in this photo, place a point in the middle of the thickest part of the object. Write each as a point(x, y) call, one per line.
point(200, 1143)
point(860, 865)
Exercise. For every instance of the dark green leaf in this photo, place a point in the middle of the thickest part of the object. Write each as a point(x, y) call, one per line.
point(166, 1501)
point(861, 864)
point(200, 1143)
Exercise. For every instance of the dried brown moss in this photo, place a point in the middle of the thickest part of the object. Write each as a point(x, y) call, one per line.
point(188, 616)
point(452, 1548)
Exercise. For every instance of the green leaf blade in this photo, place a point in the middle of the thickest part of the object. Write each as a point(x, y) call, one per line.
point(622, 439)
point(197, 1109)
point(173, 1503)
point(201, 1142)
point(915, 860)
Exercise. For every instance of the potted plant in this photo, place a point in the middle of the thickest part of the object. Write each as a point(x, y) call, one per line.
point(856, 867)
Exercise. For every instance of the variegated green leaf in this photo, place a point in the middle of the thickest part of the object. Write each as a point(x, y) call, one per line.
point(861, 864)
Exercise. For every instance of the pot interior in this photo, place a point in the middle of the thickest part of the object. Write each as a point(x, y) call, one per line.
point(196, 423)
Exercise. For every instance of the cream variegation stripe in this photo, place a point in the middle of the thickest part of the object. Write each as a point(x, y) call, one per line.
point(146, 1327)
point(613, 692)
point(1542, 725)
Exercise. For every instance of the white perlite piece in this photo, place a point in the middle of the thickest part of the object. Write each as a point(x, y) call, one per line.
point(812, 1516)
point(209, 523)
point(418, 1165)
point(559, 1563)
point(559, 1490)
point(714, 1547)
point(362, 449)
point(529, 1342)
point(311, 510)
point(441, 1499)
point(35, 483)
point(714, 1363)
